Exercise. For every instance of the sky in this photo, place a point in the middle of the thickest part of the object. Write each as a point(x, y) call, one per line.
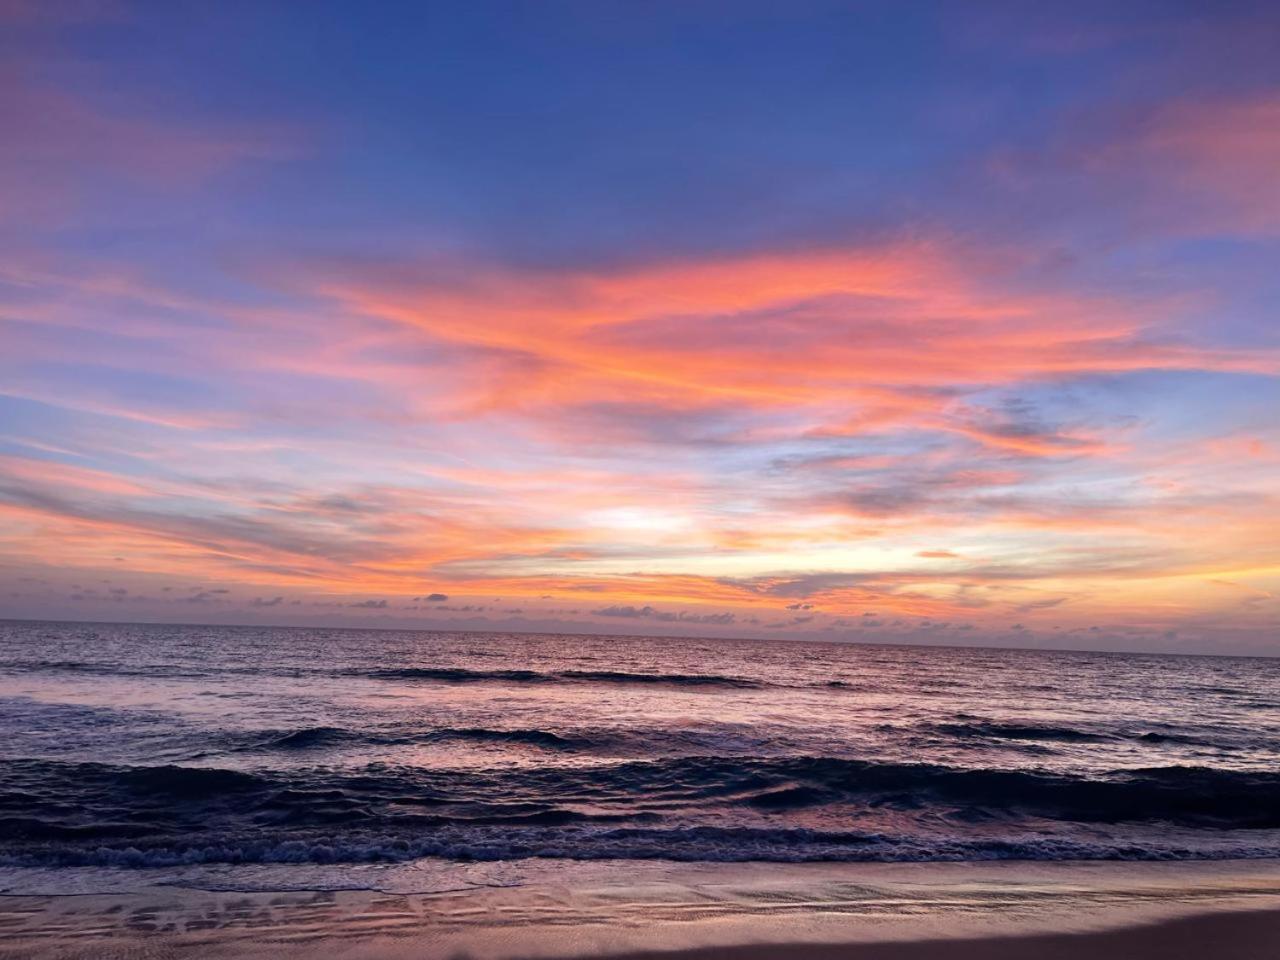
point(896, 322)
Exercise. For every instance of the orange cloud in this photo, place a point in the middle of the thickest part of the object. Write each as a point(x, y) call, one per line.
point(714, 436)
point(881, 334)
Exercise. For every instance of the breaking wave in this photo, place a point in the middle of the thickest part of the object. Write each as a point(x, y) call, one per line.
point(101, 814)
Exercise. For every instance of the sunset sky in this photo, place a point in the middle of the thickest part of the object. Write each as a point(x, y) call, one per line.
point(918, 322)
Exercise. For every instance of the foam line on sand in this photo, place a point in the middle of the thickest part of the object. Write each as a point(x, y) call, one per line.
point(1220, 911)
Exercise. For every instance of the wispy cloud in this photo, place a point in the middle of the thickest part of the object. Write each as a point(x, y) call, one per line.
point(985, 359)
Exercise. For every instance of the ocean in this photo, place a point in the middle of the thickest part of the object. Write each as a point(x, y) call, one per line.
point(258, 758)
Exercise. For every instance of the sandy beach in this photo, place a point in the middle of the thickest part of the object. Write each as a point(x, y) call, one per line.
point(743, 912)
point(1228, 936)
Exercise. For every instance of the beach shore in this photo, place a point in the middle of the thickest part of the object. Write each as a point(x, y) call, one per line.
point(994, 911)
point(1224, 936)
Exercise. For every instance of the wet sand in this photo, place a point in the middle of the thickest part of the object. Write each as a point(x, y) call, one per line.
point(1224, 936)
point(1218, 911)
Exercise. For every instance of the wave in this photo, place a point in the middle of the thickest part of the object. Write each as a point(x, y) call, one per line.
point(317, 738)
point(91, 810)
point(464, 675)
point(1173, 738)
point(693, 844)
point(443, 674)
point(457, 675)
point(1018, 731)
point(538, 738)
point(1179, 794)
point(991, 730)
point(674, 679)
point(177, 782)
point(305, 739)
point(613, 742)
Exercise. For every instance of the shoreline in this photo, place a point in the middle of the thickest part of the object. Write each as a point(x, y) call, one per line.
point(1233, 935)
point(994, 911)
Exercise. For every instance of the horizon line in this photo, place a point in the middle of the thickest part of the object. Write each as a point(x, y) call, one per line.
point(651, 636)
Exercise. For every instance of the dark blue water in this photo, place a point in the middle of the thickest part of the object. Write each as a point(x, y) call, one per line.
point(159, 747)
